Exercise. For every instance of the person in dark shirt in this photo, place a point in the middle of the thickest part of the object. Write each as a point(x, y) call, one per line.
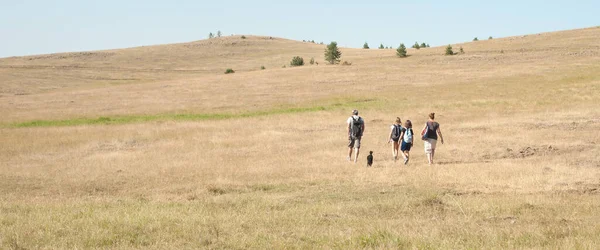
point(430, 135)
point(370, 159)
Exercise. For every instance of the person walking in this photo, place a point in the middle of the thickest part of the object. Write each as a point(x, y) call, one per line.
point(430, 135)
point(394, 137)
point(356, 129)
point(407, 140)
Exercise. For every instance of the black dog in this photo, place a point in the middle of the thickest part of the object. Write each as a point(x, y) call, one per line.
point(370, 159)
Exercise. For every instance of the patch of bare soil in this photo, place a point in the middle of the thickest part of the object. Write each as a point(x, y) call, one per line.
point(523, 152)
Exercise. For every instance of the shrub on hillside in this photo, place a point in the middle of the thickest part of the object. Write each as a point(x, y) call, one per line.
point(381, 46)
point(366, 46)
point(475, 39)
point(229, 71)
point(332, 53)
point(449, 50)
point(490, 38)
point(243, 37)
point(462, 51)
point(346, 63)
point(423, 45)
point(219, 34)
point(211, 35)
point(262, 67)
point(297, 61)
point(312, 61)
point(401, 51)
point(416, 46)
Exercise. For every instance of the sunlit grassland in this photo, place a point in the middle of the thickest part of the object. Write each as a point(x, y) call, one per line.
point(257, 160)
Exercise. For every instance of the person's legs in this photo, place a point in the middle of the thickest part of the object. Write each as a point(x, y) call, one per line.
point(433, 146)
point(356, 149)
point(349, 154)
point(350, 147)
point(396, 151)
point(393, 150)
point(427, 146)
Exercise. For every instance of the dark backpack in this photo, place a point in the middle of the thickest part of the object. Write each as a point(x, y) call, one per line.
point(356, 128)
point(396, 132)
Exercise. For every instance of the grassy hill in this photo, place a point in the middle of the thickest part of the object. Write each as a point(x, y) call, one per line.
point(154, 147)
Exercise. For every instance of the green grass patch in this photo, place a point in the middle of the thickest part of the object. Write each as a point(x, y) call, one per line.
point(116, 120)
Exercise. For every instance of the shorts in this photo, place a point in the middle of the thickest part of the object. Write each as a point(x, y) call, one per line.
point(429, 145)
point(353, 143)
point(405, 146)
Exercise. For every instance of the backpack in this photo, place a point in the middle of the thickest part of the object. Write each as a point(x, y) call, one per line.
point(396, 132)
point(408, 135)
point(356, 128)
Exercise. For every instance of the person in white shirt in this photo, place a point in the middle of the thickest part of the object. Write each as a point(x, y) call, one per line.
point(356, 128)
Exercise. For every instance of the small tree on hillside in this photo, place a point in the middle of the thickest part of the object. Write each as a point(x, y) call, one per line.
point(490, 38)
point(381, 46)
point(449, 50)
point(332, 53)
point(211, 35)
point(401, 51)
point(475, 39)
point(366, 46)
point(297, 61)
point(219, 33)
point(461, 50)
point(423, 45)
point(428, 46)
point(416, 46)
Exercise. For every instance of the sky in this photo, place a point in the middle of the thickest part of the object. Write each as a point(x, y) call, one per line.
point(29, 27)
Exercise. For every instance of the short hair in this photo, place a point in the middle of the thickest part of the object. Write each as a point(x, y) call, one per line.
point(398, 120)
point(370, 152)
point(432, 116)
point(355, 112)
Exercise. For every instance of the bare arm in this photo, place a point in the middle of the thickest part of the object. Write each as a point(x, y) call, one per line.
point(390, 137)
point(348, 129)
point(439, 131)
point(363, 129)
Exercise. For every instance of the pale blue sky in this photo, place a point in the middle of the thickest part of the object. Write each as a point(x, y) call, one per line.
point(42, 26)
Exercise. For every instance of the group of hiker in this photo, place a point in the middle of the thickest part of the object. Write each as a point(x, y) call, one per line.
point(401, 137)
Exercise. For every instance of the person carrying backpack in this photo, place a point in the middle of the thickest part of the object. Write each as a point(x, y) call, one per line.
point(395, 133)
point(429, 136)
point(356, 128)
point(407, 140)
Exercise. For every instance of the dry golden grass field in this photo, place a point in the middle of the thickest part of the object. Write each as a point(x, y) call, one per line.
point(156, 148)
